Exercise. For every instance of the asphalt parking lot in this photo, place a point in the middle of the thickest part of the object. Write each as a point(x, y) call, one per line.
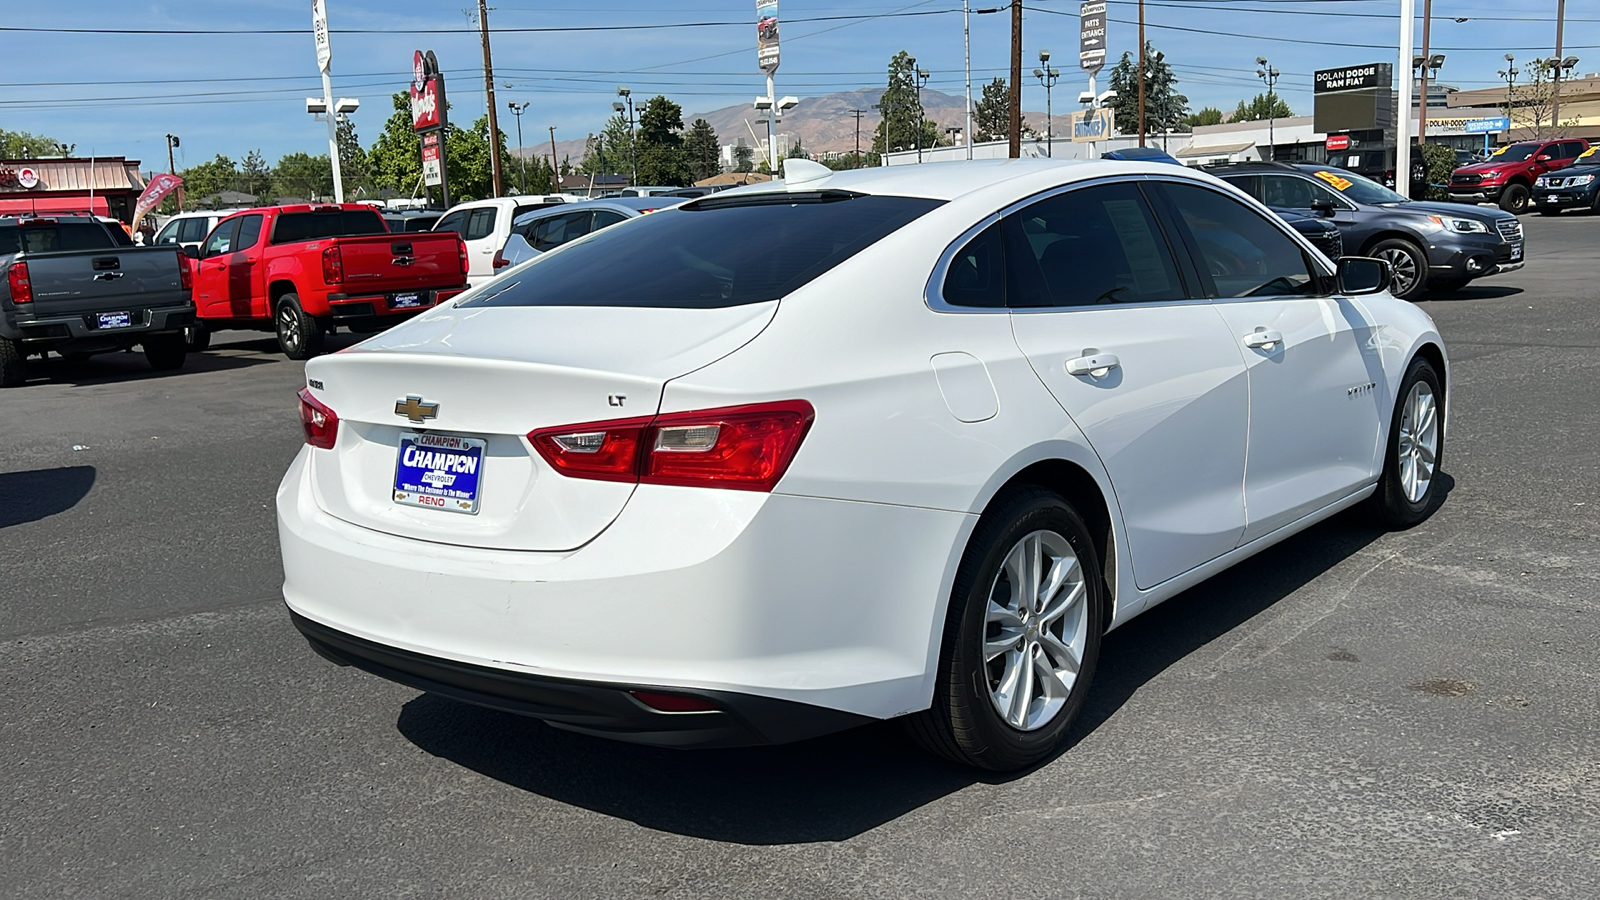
point(1352, 713)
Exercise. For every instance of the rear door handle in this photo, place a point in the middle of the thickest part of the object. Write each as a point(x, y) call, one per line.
point(1095, 366)
point(1263, 338)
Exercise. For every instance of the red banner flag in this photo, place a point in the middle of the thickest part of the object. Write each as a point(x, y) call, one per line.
point(154, 192)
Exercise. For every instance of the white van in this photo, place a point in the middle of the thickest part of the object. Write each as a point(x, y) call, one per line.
point(188, 229)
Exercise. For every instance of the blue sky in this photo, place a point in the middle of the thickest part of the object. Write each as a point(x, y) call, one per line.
point(232, 93)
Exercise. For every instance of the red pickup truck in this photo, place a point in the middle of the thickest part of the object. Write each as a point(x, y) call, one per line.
point(304, 270)
point(1507, 177)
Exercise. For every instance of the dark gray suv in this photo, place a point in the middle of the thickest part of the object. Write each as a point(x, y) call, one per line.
point(1432, 246)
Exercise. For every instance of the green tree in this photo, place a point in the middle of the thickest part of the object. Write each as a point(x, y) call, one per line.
point(303, 176)
point(394, 161)
point(22, 145)
point(902, 110)
point(255, 176)
point(1164, 107)
point(662, 159)
point(467, 163)
point(1261, 107)
point(744, 157)
point(991, 115)
point(209, 178)
point(798, 150)
point(617, 144)
point(703, 150)
point(1207, 115)
point(352, 159)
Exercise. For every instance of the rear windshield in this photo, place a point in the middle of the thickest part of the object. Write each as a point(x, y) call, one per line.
point(310, 226)
point(714, 252)
point(49, 238)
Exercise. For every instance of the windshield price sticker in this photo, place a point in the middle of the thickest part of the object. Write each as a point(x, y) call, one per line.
point(1340, 183)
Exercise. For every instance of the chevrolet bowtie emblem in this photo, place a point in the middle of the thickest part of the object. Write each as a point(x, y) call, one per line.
point(414, 409)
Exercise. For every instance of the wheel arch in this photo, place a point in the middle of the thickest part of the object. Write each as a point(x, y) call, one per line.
point(277, 289)
point(1392, 233)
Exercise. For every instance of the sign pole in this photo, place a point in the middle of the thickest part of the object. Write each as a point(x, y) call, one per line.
point(319, 28)
point(1402, 126)
point(1092, 56)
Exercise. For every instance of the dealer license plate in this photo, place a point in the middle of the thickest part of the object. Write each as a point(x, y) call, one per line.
point(116, 320)
point(405, 301)
point(1554, 198)
point(439, 471)
point(1516, 252)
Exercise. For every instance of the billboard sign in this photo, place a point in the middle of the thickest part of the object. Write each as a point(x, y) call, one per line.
point(427, 93)
point(1354, 98)
point(319, 29)
point(1350, 78)
point(767, 35)
point(432, 162)
point(1092, 124)
point(1092, 36)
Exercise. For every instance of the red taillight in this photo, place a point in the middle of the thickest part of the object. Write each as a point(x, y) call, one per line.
point(321, 424)
point(673, 702)
point(21, 285)
point(500, 261)
point(185, 277)
point(738, 447)
point(332, 265)
point(461, 251)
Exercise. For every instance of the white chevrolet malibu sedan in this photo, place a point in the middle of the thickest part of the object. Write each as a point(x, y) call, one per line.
point(888, 443)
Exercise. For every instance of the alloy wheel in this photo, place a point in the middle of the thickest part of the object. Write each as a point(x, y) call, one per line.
point(1035, 629)
point(1404, 266)
point(1419, 441)
point(289, 325)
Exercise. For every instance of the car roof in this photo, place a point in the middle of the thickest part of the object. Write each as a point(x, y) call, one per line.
point(952, 180)
point(624, 204)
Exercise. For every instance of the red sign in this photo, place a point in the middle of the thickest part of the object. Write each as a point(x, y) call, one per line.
point(1338, 142)
point(425, 106)
point(159, 187)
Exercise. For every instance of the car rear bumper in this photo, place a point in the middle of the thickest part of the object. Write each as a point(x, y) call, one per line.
point(604, 710)
point(738, 596)
point(84, 327)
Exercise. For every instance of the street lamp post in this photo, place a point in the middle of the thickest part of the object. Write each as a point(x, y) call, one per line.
point(517, 110)
point(1269, 75)
point(1559, 68)
point(633, 150)
point(922, 79)
point(1047, 77)
point(172, 169)
point(1509, 73)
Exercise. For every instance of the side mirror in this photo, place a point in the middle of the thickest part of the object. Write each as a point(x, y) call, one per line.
point(1543, 157)
point(1363, 275)
point(1322, 206)
point(191, 251)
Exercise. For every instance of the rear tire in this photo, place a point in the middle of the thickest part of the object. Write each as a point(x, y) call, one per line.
point(1408, 489)
point(165, 352)
point(197, 337)
point(1016, 660)
point(1514, 199)
point(299, 336)
point(13, 368)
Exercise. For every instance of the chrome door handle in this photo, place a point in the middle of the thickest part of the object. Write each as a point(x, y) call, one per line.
point(1262, 339)
point(1095, 366)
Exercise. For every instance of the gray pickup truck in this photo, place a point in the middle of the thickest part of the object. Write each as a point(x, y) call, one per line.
point(72, 285)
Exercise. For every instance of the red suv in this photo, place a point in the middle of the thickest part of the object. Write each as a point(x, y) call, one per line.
point(1507, 177)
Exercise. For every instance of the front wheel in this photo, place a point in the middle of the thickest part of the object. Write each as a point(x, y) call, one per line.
point(1409, 263)
point(298, 334)
point(1408, 489)
point(1514, 199)
point(1021, 637)
point(165, 352)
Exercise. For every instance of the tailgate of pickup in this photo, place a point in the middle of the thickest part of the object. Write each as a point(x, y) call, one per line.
point(114, 279)
point(381, 263)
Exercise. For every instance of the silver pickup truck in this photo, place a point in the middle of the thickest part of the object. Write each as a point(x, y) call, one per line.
point(72, 285)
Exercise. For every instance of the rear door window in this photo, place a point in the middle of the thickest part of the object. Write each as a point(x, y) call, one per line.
point(553, 231)
point(1088, 247)
point(604, 218)
point(456, 222)
point(193, 230)
point(316, 224)
point(50, 238)
point(749, 248)
point(480, 224)
point(249, 232)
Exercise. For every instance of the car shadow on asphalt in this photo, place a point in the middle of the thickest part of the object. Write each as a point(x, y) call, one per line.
point(1474, 292)
point(41, 493)
point(836, 787)
point(106, 368)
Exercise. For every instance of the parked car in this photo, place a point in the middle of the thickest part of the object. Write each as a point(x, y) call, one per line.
point(1576, 187)
point(411, 220)
point(1323, 234)
point(188, 229)
point(1432, 246)
point(786, 460)
point(1506, 178)
point(304, 270)
point(647, 190)
point(542, 230)
point(1142, 154)
point(72, 285)
point(485, 224)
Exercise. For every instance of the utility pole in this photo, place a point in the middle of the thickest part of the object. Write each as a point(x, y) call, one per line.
point(1402, 142)
point(1141, 73)
point(488, 86)
point(172, 169)
point(966, 46)
point(1015, 127)
point(1555, 98)
point(921, 76)
point(516, 110)
point(555, 174)
point(858, 113)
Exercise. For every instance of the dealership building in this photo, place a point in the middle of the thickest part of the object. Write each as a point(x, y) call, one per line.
point(104, 186)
